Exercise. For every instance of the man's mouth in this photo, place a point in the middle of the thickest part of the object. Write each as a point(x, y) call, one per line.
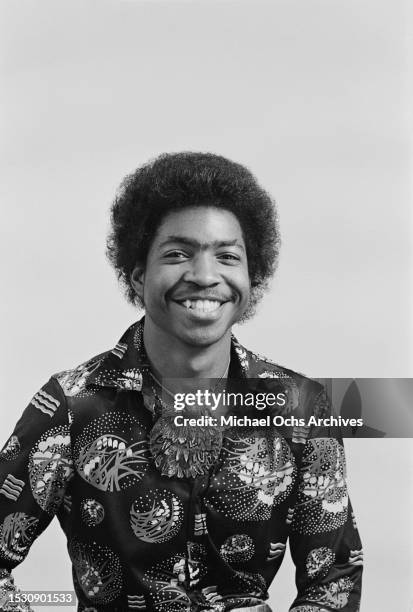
point(201, 305)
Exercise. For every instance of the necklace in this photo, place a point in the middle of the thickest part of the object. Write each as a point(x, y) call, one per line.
point(172, 394)
point(184, 451)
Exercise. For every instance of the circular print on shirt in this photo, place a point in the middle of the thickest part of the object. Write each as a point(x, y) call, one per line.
point(50, 468)
point(17, 532)
point(319, 561)
point(170, 580)
point(157, 516)
point(258, 473)
point(249, 582)
point(98, 571)
point(322, 503)
point(334, 594)
point(11, 450)
point(237, 548)
point(111, 453)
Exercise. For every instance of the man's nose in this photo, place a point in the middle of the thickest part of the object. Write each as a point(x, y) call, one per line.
point(202, 270)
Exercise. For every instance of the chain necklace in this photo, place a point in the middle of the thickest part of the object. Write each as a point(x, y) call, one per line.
point(172, 394)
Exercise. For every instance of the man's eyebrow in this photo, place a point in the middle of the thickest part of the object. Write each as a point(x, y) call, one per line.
point(200, 245)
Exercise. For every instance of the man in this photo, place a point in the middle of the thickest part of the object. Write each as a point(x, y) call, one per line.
point(166, 517)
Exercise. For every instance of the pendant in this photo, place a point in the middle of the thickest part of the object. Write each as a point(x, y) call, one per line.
point(185, 451)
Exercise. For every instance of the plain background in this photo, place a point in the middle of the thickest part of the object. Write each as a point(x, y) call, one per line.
point(313, 96)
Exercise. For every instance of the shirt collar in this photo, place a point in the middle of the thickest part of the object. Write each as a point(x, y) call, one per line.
point(125, 365)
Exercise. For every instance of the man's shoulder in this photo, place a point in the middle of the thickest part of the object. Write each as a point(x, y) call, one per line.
point(256, 365)
point(75, 380)
point(266, 370)
point(117, 368)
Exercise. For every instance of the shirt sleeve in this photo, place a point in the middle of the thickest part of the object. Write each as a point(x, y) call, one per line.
point(324, 541)
point(35, 469)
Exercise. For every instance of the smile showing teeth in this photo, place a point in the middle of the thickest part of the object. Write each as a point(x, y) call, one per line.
point(202, 305)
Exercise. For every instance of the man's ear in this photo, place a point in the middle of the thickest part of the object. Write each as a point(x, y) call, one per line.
point(137, 278)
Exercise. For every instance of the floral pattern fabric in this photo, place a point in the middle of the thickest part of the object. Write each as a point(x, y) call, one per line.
point(141, 540)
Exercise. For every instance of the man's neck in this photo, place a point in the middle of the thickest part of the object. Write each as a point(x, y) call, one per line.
point(171, 358)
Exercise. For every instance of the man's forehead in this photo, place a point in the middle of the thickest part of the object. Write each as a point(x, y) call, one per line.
point(200, 244)
point(201, 226)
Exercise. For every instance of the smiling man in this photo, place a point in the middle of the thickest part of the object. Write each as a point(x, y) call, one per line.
point(194, 285)
point(166, 518)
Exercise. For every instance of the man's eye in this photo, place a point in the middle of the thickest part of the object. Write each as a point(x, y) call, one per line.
point(228, 257)
point(175, 254)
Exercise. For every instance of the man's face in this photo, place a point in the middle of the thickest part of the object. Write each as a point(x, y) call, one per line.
point(195, 284)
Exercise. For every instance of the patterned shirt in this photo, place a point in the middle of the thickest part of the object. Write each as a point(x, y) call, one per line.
point(140, 540)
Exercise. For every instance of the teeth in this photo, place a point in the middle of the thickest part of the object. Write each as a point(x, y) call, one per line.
point(203, 305)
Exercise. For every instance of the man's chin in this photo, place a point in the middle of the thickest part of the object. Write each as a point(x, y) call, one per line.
point(202, 337)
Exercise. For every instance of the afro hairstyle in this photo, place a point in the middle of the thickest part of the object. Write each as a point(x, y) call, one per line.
point(174, 181)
